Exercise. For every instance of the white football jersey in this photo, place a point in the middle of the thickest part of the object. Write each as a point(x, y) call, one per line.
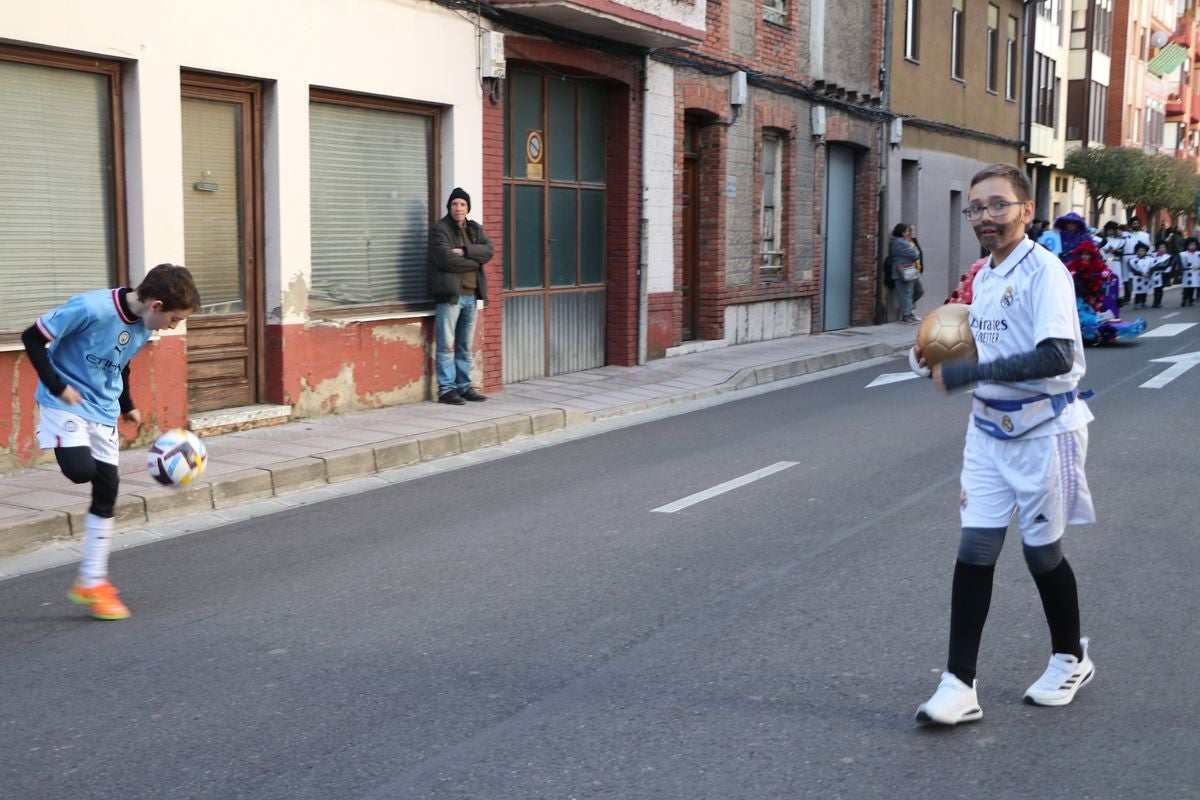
point(1026, 299)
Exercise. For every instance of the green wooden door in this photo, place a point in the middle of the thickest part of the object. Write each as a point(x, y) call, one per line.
point(555, 210)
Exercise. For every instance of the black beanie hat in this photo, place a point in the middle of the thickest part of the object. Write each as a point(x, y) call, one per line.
point(456, 194)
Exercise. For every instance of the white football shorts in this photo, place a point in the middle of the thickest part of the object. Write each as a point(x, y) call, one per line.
point(1042, 479)
point(58, 428)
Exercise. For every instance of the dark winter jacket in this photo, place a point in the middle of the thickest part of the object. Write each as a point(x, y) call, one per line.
point(446, 269)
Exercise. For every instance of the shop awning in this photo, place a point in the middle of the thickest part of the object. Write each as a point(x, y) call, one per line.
point(1168, 59)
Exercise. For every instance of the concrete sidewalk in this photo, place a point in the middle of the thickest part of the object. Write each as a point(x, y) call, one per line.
point(38, 506)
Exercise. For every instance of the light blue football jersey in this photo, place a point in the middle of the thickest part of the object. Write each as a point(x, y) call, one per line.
point(92, 338)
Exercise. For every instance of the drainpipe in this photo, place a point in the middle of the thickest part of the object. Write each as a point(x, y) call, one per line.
point(643, 216)
point(885, 147)
point(1024, 103)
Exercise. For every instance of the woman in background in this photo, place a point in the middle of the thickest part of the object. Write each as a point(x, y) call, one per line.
point(904, 253)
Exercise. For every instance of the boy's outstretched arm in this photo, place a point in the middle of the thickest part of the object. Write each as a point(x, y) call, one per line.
point(1051, 357)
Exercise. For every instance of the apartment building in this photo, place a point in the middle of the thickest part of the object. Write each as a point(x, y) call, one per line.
point(1047, 68)
point(761, 175)
point(955, 83)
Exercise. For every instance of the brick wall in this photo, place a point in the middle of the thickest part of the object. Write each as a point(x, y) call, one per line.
point(490, 326)
point(624, 153)
point(730, 193)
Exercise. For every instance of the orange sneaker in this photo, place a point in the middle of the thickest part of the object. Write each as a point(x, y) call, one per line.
point(102, 600)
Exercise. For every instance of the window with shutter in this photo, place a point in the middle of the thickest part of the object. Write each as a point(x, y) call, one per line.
point(59, 220)
point(775, 11)
point(372, 195)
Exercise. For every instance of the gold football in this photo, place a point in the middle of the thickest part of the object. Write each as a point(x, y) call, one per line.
point(945, 335)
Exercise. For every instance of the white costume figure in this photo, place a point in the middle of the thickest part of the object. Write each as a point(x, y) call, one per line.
point(1132, 240)
point(1141, 270)
point(1114, 252)
point(1191, 268)
point(1190, 259)
point(1162, 265)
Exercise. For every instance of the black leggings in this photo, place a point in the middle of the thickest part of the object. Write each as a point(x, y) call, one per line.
point(79, 466)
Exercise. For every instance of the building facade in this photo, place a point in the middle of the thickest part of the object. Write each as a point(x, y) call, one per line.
point(955, 84)
point(294, 162)
point(761, 176)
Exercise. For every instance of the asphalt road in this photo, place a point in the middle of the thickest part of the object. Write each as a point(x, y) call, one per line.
point(533, 628)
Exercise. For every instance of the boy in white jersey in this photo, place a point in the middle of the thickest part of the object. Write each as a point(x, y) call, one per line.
point(1025, 447)
point(83, 386)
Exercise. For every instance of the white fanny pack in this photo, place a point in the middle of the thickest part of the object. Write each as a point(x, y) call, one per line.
point(1012, 419)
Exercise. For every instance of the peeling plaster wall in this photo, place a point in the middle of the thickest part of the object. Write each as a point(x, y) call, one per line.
point(158, 386)
point(334, 368)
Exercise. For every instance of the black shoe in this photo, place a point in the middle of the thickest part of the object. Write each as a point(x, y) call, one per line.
point(473, 396)
point(452, 398)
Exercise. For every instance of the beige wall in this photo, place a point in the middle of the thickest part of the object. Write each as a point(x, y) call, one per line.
point(379, 47)
point(926, 90)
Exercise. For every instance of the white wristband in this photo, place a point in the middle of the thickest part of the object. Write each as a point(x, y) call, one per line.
point(923, 372)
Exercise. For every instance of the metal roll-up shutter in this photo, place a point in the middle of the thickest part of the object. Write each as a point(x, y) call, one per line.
point(370, 205)
point(57, 230)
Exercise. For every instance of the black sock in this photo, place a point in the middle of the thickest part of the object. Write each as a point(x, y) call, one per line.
point(970, 598)
point(1060, 601)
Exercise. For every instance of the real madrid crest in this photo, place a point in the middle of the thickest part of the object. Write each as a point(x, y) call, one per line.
point(1007, 299)
point(1006, 423)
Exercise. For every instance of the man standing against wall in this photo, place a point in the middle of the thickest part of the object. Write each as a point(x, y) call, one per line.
point(458, 249)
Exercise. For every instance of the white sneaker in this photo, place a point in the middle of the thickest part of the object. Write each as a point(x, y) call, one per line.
point(1065, 676)
point(952, 703)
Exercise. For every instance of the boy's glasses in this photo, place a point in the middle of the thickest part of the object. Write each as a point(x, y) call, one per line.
point(996, 208)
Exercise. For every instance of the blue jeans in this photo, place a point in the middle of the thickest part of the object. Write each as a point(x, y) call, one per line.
point(904, 293)
point(455, 332)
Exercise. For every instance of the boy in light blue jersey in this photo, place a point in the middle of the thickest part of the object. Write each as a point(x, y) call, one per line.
point(83, 386)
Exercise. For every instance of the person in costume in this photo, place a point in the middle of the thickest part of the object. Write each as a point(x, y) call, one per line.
point(1114, 252)
point(1133, 237)
point(1026, 445)
point(1072, 230)
point(1164, 262)
point(1190, 259)
point(1090, 273)
point(1141, 270)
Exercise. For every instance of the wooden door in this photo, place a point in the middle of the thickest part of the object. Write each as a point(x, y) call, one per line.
point(837, 274)
point(690, 284)
point(222, 145)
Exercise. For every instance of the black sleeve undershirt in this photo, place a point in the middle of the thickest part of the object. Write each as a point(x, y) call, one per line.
point(1051, 357)
point(35, 345)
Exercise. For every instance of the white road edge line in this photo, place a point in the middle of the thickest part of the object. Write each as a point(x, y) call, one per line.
point(722, 488)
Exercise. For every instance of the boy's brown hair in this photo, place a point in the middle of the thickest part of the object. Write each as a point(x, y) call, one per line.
point(1016, 178)
point(171, 284)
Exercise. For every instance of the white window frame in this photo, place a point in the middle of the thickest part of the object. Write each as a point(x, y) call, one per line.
point(957, 30)
point(771, 209)
point(1010, 60)
point(912, 30)
point(992, 47)
point(775, 11)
